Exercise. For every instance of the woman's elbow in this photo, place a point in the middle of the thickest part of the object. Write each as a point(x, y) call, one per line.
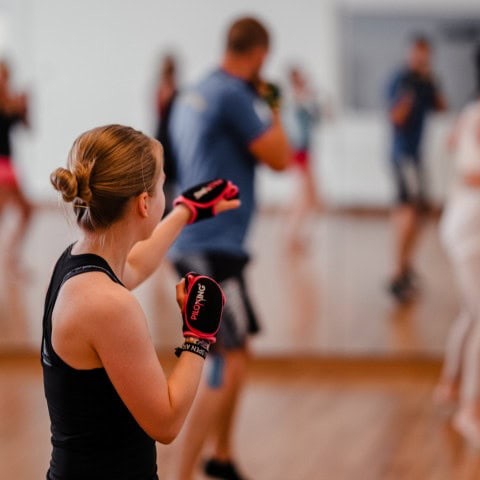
point(165, 433)
point(166, 439)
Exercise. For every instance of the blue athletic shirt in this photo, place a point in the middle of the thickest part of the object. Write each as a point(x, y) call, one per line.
point(211, 126)
point(407, 138)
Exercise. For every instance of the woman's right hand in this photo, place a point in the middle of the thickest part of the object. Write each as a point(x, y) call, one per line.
point(201, 300)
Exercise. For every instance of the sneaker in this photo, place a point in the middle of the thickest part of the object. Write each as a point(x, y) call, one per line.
point(225, 470)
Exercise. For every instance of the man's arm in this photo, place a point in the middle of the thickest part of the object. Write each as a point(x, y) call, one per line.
point(258, 126)
point(440, 102)
point(400, 99)
point(401, 109)
point(272, 147)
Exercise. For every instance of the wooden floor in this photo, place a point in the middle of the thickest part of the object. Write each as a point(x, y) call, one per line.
point(341, 377)
point(330, 300)
point(300, 419)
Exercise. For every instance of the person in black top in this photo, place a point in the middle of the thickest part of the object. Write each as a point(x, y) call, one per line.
point(412, 94)
point(13, 111)
point(167, 90)
point(107, 395)
point(476, 62)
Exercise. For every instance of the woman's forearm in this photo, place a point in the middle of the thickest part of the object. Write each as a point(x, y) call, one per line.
point(146, 256)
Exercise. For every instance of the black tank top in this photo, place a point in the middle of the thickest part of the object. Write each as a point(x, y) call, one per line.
point(94, 436)
point(7, 121)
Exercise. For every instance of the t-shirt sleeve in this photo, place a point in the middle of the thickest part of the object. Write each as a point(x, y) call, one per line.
point(247, 115)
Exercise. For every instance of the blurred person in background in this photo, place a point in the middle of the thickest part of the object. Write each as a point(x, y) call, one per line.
point(302, 112)
point(476, 63)
point(225, 126)
point(13, 111)
point(460, 231)
point(166, 91)
point(412, 94)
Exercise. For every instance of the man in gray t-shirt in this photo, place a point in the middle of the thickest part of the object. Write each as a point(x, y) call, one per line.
point(222, 128)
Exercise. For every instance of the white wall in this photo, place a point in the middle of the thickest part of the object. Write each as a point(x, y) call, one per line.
point(93, 62)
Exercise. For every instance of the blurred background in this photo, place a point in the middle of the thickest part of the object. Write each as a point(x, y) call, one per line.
point(94, 63)
point(339, 363)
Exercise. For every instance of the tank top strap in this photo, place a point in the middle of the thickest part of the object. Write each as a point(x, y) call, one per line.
point(91, 268)
point(67, 267)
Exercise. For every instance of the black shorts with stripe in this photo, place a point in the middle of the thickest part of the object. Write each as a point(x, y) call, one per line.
point(239, 319)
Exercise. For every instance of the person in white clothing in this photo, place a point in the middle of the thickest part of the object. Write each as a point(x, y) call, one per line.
point(302, 114)
point(459, 384)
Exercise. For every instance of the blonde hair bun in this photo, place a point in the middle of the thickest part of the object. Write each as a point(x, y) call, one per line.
point(71, 185)
point(65, 182)
point(106, 167)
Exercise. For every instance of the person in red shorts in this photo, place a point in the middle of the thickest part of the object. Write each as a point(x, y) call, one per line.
point(302, 116)
point(13, 111)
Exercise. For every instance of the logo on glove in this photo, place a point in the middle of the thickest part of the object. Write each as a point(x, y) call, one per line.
point(199, 302)
point(206, 189)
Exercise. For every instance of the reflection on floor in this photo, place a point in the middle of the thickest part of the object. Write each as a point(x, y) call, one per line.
point(330, 300)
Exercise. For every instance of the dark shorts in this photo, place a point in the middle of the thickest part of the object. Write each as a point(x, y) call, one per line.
point(408, 175)
point(239, 319)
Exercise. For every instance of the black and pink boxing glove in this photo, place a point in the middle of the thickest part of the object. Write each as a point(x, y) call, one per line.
point(203, 307)
point(202, 199)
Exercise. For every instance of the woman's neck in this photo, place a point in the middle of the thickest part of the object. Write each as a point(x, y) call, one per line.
point(112, 244)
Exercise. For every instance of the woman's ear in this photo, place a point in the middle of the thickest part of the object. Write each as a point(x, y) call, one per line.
point(142, 204)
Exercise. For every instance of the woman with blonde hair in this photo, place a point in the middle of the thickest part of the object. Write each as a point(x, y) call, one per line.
point(108, 397)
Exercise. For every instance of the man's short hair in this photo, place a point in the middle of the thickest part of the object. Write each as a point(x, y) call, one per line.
point(420, 40)
point(245, 34)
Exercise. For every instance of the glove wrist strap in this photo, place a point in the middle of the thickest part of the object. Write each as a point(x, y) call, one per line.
point(194, 345)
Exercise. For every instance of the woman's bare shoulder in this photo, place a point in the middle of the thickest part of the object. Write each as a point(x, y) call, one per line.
point(90, 300)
